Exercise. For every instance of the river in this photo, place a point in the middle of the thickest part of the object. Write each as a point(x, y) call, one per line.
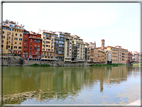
point(71, 85)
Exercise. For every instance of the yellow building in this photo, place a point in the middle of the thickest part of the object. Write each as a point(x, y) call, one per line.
point(95, 55)
point(47, 44)
point(12, 37)
point(118, 54)
point(101, 56)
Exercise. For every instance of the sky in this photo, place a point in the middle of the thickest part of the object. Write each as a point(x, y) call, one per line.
point(117, 23)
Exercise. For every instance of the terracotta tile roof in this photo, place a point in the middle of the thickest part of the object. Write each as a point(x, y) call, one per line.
point(7, 25)
point(19, 26)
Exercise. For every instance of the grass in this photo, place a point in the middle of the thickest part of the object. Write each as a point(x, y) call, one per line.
point(107, 64)
point(137, 64)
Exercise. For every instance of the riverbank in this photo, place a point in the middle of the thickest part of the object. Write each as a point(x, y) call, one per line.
point(137, 64)
point(108, 65)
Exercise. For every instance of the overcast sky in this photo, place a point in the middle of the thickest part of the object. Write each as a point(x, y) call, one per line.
point(117, 23)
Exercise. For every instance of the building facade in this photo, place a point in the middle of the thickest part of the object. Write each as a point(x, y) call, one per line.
point(60, 43)
point(130, 55)
point(118, 54)
point(47, 44)
point(12, 35)
point(78, 49)
point(68, 48)
point(94, 56)
point(32, 45)
point(107, 57)
point(136, 56)
point(87, 52)
point(101, 56)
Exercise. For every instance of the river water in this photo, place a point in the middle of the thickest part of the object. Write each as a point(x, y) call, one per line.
point(71, 85)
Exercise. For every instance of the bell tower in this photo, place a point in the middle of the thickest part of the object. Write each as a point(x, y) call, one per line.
point(103, 44)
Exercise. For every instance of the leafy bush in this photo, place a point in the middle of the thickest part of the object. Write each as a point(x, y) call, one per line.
point(34, 64)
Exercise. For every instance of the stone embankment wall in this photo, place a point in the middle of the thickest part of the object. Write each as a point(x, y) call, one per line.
point(11, 61)
point(15, 61)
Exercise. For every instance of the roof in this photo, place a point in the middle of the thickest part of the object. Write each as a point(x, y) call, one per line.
point(12, 22)
point(19, 26)
point(7, 25)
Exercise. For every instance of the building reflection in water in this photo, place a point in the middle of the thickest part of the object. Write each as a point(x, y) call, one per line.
point(59, 83)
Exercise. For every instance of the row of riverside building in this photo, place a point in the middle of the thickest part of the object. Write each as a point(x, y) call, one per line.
point(49, 45)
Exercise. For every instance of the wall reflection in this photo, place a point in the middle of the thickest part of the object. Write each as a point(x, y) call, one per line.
point(45, 83)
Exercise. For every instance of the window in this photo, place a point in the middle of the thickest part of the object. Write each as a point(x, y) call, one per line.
point(3, 31)
point(43, 33)
point(31, 40)
point(62, 36)
point(15, 42)
point(52, 35)
point(6, 47)
point(20, 39)
point(11, 25)
point(15, 47)
point(47, 41)
point(48, 49)
point(16, 34)
point(20, 43)
point(61, 42)
point(35, 40)
point(38, 49)
point(15, 38)
point(38, 41)
point(19, 47)
point(12, 29)
point(3, 36)
point(43, 41)
point(20, 34)
point(46, 35)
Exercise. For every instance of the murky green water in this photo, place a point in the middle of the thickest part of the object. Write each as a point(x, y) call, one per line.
point(71, 85)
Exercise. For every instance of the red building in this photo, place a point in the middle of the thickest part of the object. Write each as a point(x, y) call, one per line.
point(130, 55)
point(32, 45)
